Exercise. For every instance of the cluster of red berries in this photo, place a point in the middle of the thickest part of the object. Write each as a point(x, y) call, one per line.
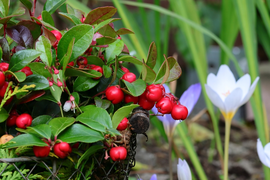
point(21, 121)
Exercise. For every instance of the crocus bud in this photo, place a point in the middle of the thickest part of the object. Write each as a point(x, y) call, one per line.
point(67, 106)
point(263, 153)
point(183, 171)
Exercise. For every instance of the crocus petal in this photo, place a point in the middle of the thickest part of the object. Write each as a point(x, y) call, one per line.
point(216, 84)
point(244, 84)
point(215, 98)
point(190, 97)
point(183, 171)
point(167, 89)
point(154, 177)
point(169, 124)
point(250, 92)
point(226, 76)
point(261, 154)
point(267, 153)
point(232, 100)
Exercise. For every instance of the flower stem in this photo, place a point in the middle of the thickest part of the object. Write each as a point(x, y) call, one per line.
point(170, 157)
point(226, 148)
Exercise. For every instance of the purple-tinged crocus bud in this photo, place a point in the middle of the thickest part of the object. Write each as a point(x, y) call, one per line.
point(264, 153)
point(183, 171)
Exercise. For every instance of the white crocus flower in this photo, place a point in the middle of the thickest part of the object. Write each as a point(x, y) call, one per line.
point(227, 93)
point(264, 153)
point(183, 171)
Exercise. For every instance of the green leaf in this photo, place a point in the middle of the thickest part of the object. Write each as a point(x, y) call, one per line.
point(84, 83)
point(20, 11)
point(21, 58)
point(152, 55)
point(148, 74)
point(83, 35)
point(107, 71)
point(27, 3)
point(1, 52)
point(65, 60)
point(77, 72)
point(102, 103)
point(40, 81)
point(55, 90)
point(130, 59)
point(121, 113)
point(25, 140)
point(46, 17)
point(175, 71)
point(5, 49)
point(100, 13)
point(43, 119)
point(71, 17)
point(80, 133)
point(76, 12)
point(76, 96)
point(44, 46)
point(105, 40)
point(47, 96)
point(39, 68)
point(20, 76)
point(53, 5)
point(136, 88)
point(95, 60)
point(96, 118)
point(41, 130)
point(3, 115)
point(114, 49)
point(104, 23)
point(4, 6)
point(88, 153)
point(60, 124)
point(107, 31)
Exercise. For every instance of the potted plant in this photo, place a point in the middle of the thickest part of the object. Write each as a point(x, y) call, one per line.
point(69, 104)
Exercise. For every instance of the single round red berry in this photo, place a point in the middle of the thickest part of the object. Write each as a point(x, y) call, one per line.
point(145, 103)
point(122, 125)
point(62, 149)
point(11, 120)
point(24, 120)
point(154, 92)
point(129, 77)
point(2, 78)
point(82, 61)
point(26, 70)
point(124, 69)
point(96, 68)
point(114, 94)
point(118, 153)
point(42, 151)
point(164, 105)
point(179, 112)
point(57, 34)
point(128, 98)
point(4, 66)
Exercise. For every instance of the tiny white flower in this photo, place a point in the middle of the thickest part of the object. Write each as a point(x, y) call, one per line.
point(264, 153)
point(228, 94)
point(183, 171)
point(67, 106)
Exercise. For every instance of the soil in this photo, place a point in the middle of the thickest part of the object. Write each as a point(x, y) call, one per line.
point(244, 164)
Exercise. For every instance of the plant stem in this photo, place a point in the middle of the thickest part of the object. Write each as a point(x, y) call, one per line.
point(226, 148)
point(61, 110)
point(170, 157)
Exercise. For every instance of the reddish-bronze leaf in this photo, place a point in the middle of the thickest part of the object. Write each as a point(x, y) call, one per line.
point(101, 13)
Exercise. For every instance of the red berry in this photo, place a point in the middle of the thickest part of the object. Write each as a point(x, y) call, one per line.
point(145, 103)
point(70, 64)
point(122, 125)
point(129, 98)
point(129, 77)
point(42, 151)
point(179, 112)
point(82, 61)
point(4, 66)
point(26, 70)
point(114, 94)
point(154, 92)
point(2, 78)
point(57, 34)
point(118, 153)
point(11, 120)
point(62, 149)
point(124, 69)
point(96, 68)
point(39, 18)
point(24, 120)
point(3, 89)
point(164, 105)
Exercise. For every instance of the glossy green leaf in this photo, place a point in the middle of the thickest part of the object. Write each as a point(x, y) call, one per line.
point(4, 6)
point(96, 118)
point(66, 59)
point(20, 11)
point(107, 31)
point(114, 49)
point(136, 88)
point(20, 76)
point(71, 17)
point(84, 83)
point(175, 71)
point(60, 124)
point(44, 46)
point(20, 140)
point(43, 119)
point(100, 13)
point(83, 35)
point(104, 23)
point(148, 74)
point(41, 130)
point(78, 5)
point(107, 71)
point(55, 90)
point(40, 81)
point(5, 49)
point(39, 68)
point(121, 113)
point(47, 96)
point(53, 5)
point(3, 115)
point(130, 59)
point(21, 58)
point(27, 3)
point(76, 96)
point(102, 103)
point(76, 12)
point(95, 60)
point(77, 72)
point(167, 71)
point(152, 56)
point(46, 17)
point(88, 153)
point(80, 133)
point(105, 40)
